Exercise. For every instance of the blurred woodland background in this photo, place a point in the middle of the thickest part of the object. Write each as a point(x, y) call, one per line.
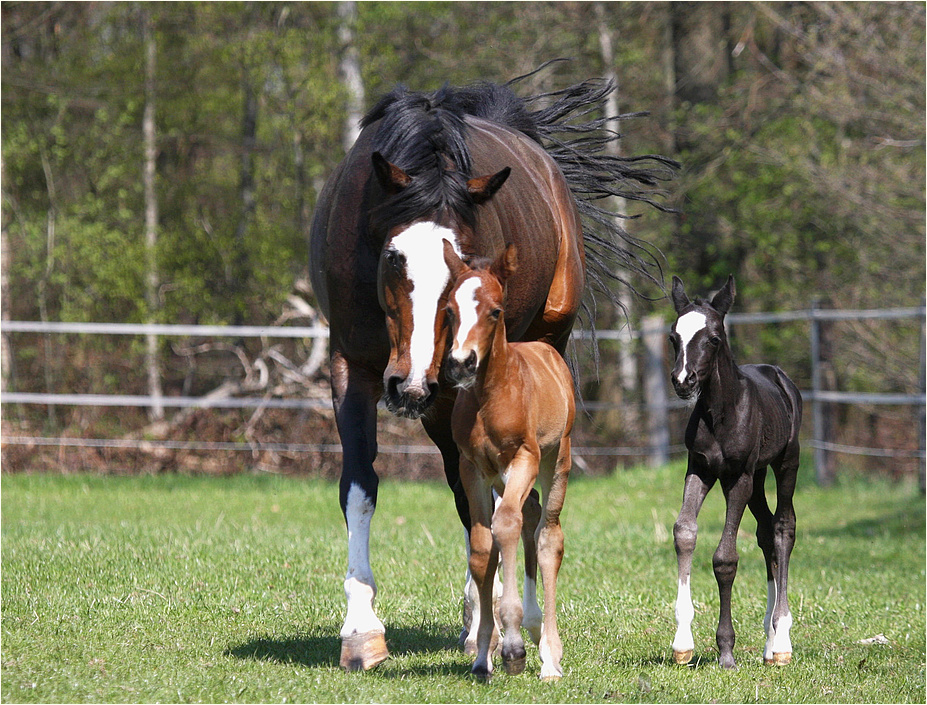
point(160, 163)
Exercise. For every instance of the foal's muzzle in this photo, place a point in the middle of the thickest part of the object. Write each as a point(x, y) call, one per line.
point(688, 388)
point(461, 373)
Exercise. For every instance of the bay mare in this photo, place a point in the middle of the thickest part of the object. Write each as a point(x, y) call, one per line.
point(478, 167)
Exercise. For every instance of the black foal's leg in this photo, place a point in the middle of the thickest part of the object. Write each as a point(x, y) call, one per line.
point(354, 393)
point(779, 646)
point(684, 533)
point(736, 494)
point(764, 538)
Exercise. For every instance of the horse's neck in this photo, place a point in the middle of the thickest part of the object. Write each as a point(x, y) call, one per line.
point(495, 370)
point(725, 386)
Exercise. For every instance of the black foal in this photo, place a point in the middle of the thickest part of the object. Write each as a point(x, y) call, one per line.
point(744, 419)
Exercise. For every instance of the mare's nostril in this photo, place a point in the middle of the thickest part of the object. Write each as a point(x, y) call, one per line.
point(470, 362)
point(392, 386)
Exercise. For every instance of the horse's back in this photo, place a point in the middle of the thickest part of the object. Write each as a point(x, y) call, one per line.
point(779, 397)
point(537, 212)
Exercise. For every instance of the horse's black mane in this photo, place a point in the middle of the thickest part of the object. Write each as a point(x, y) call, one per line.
point(425, 133)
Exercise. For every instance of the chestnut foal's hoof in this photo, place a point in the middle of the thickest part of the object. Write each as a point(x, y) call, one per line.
point(783, 658)
point(683, 657)
point(514, 666)
point(360, 652)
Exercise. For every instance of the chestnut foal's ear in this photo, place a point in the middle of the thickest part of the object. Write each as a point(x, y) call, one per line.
point(724, 299)
point(506, 263)
point(680, 300)
point(391, 177)
point(482, 188)
point(453, 261)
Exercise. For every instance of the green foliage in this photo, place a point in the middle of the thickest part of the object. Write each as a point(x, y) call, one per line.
point(229, 590)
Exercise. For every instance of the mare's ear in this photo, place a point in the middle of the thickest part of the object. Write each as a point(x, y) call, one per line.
point(724, 299)
point(453, 261)
point(391, 177)
point(482, 188)
point(680, 300)
point(506, 263)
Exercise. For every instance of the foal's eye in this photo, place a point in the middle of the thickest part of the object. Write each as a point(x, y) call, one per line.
point(715, 341)
point(495, 313)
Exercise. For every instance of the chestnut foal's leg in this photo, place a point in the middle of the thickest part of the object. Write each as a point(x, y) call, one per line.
point(484, 559)
point(550, 555)
point(779, 644)
point(506, 530)
point(736, 494)
point(685, 531)
point(531, 521)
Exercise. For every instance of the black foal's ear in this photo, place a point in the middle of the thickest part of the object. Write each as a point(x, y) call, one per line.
point(724, 299)
point(391, 177)
point(680, 300)
point(482, 188)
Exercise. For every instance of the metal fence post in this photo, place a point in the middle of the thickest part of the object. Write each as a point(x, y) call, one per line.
point(821, 469)
point(653, 331)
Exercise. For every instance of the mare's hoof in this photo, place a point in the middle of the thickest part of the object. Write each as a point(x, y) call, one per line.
point(514, 666)
point(683, 657)
point(783, 658)
point(360, 652)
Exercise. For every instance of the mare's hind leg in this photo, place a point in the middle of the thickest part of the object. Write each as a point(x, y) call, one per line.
point(685, 531)
point(779, 644)
point(531, 520)
point(736, 495)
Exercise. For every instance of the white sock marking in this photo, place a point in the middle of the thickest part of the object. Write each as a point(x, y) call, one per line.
point(685, 613)
point(359, 586)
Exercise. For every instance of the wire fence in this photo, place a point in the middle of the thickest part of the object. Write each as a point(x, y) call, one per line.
point(656, 404)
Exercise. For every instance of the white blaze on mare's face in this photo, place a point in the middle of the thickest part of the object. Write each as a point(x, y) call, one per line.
point(686, 328)
point(423, 249)
point(465, 298)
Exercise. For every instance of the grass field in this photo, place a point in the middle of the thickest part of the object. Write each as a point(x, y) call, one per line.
point(179, 589)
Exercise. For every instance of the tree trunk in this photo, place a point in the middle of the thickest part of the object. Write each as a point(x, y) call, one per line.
point(6, 352)
point(349, 67)
point(152, 283)
point(700, 59)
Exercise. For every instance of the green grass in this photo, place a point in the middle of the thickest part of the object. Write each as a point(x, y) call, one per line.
point(142, 589)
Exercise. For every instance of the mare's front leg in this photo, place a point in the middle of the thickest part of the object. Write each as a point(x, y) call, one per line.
point(737, 492)
point(355, 392)
point(685, 531)
point(507, 525)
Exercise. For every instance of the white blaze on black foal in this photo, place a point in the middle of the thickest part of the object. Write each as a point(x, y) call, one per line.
point(745, 419)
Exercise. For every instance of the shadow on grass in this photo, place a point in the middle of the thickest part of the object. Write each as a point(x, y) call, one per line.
point(325, 650)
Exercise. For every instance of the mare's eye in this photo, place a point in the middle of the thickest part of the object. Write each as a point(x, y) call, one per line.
point(392, 258)
point(449, 312)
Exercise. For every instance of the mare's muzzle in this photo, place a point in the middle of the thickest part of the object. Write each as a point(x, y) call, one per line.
point(407, 400)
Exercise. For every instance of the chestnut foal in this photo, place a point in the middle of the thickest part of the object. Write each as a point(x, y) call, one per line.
point(744, 419)
point(512, 421)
